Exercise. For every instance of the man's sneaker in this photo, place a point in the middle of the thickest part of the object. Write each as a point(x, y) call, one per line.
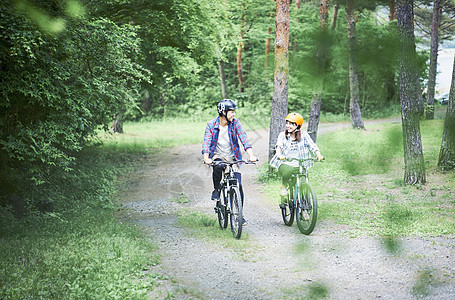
point(283, 192)
point(244, 222)
point(215, 195)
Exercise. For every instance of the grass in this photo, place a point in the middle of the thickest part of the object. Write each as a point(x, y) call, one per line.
point(141, 137)
point(87, 255)
point(206, 228)
point(80, 250)
point(360, 184)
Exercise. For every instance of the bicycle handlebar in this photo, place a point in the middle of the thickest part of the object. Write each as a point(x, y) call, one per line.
point(219, 162)
point(303, 159)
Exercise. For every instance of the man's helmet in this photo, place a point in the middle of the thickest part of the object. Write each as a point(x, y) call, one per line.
point(226, 105)
point(295, 118)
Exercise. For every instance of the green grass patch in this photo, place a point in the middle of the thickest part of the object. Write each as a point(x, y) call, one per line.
point(77, 255)
point(144, 136)
point(206, 228)
point(140, 137)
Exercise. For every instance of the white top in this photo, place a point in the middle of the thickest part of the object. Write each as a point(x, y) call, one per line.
point(223, 145)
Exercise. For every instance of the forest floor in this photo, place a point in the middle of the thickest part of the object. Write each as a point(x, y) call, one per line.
point(271, 261)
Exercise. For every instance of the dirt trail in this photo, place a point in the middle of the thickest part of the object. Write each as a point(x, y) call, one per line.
point(278, 262)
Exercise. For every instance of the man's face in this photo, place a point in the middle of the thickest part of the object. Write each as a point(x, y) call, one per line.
point(230, 115)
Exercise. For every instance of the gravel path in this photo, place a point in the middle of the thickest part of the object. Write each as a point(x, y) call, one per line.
point(272, 261)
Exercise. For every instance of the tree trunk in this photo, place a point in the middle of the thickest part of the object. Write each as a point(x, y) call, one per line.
point(117, 124)
point(323, 44)
point(239, 66)
point(240, 48)
point(414, 172)
point(392, 10)
point(334, 18)
point(429, 111)
point(280, 80)
point(354, 106)
point(222, 79)
point(447, 153)
point(267, 48)
point(294, 42)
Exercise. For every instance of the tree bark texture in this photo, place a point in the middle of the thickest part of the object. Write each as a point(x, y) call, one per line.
point(222, 79)
point(354, 106)
point(281, 76)
point(239, 66)
point(392, 10)
point(267, 48)
point(117, 124)
point(414, 172)
point(447, 153)
point(429, 111)
point(323, 45)
point(333, 23)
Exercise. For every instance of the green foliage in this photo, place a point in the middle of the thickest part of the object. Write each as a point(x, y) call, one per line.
point(58, 89)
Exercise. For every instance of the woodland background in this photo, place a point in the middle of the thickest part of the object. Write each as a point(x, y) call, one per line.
point(72, 68)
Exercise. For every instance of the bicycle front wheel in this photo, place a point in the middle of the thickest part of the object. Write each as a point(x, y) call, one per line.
point(287, 212)
point(235, 213)
point(222, 210)
point(306, 209)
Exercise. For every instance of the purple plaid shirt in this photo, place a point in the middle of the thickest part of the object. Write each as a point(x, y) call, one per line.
point(235, 132)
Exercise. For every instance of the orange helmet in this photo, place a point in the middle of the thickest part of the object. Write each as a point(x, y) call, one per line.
point(295, 118)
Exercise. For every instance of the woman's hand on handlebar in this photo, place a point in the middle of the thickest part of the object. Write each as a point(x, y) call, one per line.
point(320, 157)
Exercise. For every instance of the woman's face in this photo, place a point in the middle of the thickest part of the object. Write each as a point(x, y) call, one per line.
point(290, 126)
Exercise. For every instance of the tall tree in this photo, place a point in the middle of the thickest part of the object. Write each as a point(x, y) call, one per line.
point(414, 172)
point(392, 10)
point(240, 46)
point(281, 76)
point(267, 48)
point(354, 106)
point(333, 23)
point(222, 79)
point(447, 153)
point(429, 111)
point(316, 99)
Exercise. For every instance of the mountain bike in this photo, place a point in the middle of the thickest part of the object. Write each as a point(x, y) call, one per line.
point(301, 200)
point(230, 206)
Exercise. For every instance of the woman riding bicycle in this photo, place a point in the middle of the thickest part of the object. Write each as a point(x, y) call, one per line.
point(292, 143)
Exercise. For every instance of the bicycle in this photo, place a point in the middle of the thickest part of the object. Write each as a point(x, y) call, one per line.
point(230, 203)
point(301, 200)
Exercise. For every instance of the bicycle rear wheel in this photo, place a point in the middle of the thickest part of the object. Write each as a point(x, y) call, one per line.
point(235, 213)
point(287, 212)
point(306, 209)
point(222, 210)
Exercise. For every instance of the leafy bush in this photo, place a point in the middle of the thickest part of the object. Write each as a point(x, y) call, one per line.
point(57, 90)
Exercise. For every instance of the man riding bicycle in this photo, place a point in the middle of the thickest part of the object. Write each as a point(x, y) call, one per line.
point(221, 142)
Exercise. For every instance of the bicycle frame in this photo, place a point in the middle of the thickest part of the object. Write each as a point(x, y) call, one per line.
point(232, 205)
point(303, 204)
